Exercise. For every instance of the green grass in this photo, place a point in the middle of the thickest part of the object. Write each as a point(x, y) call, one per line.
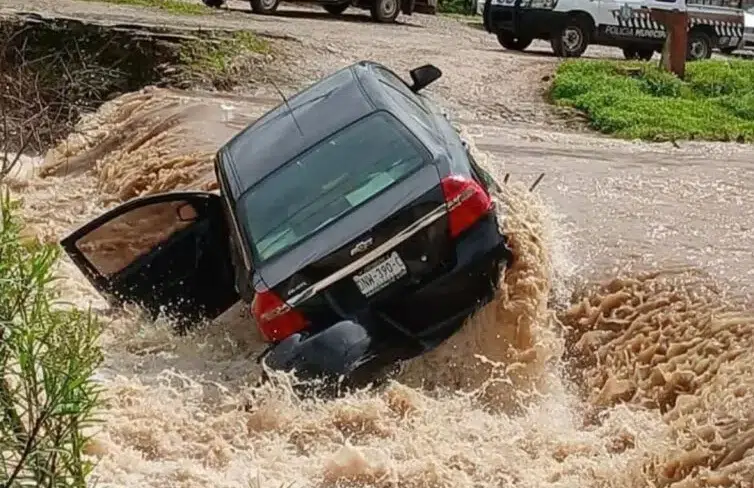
point(217, 57)
point(461, 7)
point(637, 100)
point(173, 6)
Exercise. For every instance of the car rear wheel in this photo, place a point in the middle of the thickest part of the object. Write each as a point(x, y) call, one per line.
point(699, 46)
point(385, 11)
point(509, 41)
point(264, 6)
point(571, 40)
point(336, 8)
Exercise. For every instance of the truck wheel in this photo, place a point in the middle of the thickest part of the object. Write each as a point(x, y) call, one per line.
point(645, 54)
point(385, 11)
point(213, 3)
point(699, 46)
point(336, 8)
point(509, 41)
point(264, 7)
point(571, 40)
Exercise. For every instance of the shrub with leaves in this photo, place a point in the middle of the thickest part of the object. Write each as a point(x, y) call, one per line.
point(454, 6)
point(48, 354)
point(637, 100)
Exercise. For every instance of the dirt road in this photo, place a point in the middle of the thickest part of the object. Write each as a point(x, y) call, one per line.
point(479, 77)
point(594, 181)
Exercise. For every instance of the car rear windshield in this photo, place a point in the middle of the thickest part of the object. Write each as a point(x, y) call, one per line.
point(326, 182)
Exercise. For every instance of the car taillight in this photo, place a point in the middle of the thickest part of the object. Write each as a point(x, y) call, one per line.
point(275, 318)
point(466, 200)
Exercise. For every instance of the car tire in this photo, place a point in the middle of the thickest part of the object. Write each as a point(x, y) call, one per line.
point(336, 8)
point(512, 42)
point(629, 52)
point(645, 54)
point(264, 7)
point(213, 3)
point(571, 40)
point(385, 11)
point(699, 46)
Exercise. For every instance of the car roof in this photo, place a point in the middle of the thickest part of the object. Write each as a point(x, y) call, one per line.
point(318, 111)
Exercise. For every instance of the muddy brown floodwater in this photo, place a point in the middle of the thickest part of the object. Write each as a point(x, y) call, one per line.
point(643, 379)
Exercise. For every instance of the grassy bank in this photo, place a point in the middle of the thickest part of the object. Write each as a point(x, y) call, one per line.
point(460, 7)
point(637, 100)
point(173, 6)
point(222, 62)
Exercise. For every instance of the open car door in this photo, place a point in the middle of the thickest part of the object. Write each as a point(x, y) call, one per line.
point(168, 253)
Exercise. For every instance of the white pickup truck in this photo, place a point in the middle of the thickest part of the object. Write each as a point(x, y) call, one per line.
point(572, 25)
point(748, 41)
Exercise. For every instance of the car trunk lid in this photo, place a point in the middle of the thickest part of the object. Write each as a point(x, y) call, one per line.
point(391, 243)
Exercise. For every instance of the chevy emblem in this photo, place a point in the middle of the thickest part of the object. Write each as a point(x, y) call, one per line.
point(362, 246)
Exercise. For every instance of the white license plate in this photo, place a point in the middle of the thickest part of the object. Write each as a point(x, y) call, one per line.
point(378, 277)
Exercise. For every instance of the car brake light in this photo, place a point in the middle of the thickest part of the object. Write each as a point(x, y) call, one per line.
point(466, 200)
point(275, 318)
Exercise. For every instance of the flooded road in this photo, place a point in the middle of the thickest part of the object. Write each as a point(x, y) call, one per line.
point(643, 380)
point(647, 380)
point(648, 205)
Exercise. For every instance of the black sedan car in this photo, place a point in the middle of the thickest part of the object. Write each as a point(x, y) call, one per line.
point(351, 218)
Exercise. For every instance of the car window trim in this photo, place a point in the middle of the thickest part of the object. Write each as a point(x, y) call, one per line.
point(225, 197)
point(424, 117)
point(416, 100)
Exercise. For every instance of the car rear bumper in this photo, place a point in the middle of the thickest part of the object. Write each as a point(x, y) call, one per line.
point(435, 311)
point(359, 352)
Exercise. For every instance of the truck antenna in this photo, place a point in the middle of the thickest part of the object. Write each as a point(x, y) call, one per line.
point(290, 112)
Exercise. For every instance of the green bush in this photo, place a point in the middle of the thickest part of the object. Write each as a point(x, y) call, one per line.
point(637, 100)
point(454, 6)
point(48, 355)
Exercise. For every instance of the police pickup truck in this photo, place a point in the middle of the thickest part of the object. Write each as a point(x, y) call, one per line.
point(572, 25)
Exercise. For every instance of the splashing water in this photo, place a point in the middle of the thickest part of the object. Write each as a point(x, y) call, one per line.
point(646, 379)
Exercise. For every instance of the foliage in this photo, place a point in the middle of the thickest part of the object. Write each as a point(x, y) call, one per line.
point(221, 60)
point(47, 358)
point(637, 100)
point(454, 7)
point(46, 85)
point(173, 6)
point(218, 54)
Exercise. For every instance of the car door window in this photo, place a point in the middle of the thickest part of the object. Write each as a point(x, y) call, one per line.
point(119, 242)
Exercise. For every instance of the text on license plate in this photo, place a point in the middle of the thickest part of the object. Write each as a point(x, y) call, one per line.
point(378, 277)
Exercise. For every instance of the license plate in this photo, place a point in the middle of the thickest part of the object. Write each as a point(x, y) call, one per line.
point(381, 275)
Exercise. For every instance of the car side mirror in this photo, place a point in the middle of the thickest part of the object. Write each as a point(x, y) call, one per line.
point(424, 76)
